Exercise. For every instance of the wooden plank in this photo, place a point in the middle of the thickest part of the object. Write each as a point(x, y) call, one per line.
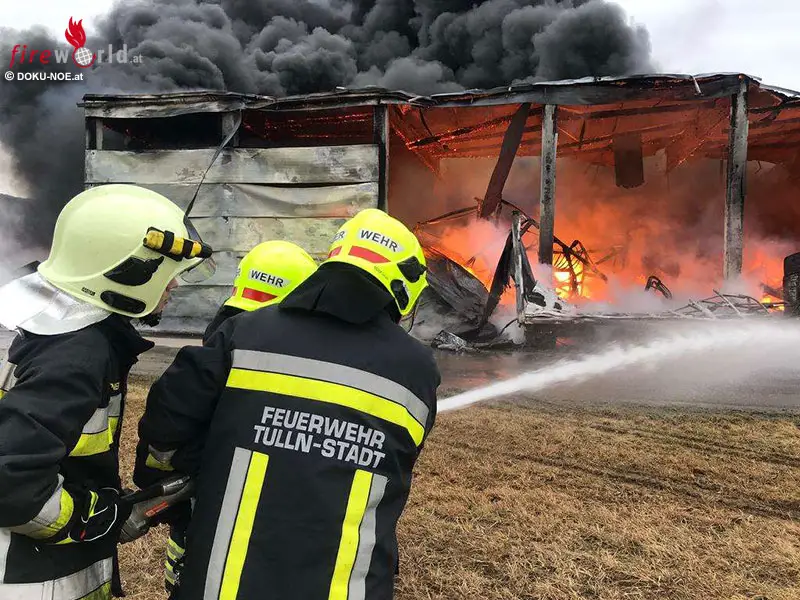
point(736, 188)
point(276, 166)
point(248, 200)
point(382, 130)
point(547, 193)
point(229, 234)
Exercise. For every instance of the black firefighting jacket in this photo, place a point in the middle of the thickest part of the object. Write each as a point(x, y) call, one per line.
point(302, 423)
point(223, 314)
point(59, 430)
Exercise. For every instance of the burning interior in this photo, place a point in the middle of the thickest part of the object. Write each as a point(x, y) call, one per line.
point(543, 205)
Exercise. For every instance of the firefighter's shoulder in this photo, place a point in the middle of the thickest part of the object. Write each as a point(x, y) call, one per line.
point(87, 346)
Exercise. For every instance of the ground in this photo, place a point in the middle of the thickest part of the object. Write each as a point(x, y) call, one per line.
point(535, 500)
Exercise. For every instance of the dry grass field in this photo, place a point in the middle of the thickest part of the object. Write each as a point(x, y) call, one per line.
point(538, 502)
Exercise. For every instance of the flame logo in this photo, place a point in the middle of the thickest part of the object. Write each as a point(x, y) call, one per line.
point(75, 34)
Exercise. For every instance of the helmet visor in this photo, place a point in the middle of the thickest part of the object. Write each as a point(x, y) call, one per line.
point(203, 270)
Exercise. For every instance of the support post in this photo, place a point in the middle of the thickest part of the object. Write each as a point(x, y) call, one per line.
point(508, 150)
point(94, 133)
point(547, 195)
point(229, 122)
point(736, 184)
point(517, 251)
point(381, 140)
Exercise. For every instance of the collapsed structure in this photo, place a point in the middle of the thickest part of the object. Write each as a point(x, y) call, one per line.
point(296, 167)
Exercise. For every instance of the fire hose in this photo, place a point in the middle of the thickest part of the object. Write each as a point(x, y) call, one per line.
point(153, 501)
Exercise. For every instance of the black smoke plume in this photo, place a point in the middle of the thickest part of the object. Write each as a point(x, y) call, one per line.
point(280, 47)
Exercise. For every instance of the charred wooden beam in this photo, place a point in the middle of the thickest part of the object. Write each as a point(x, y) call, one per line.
point(508, 150)
point(381, 140)
point(736, 184)
point(455, 133)
point(604, 140)
point(547, 196)
point(628, 159)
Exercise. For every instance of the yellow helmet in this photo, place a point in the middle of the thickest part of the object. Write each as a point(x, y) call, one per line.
point(386, 249)
point(119, 246)
point(268, 273)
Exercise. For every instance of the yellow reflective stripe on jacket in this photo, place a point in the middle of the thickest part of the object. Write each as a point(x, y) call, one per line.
point(53, 517)
point(114, 414)
point(91, 583)
point(358, 537)
point(243, 529)
point(270, 362)
point(92, 443)
point(154, 463)
point(246, 471)
point(102, 593)
point(333, 393)
point(99, 431)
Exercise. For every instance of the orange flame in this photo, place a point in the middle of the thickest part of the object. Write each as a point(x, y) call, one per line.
point(75, 34)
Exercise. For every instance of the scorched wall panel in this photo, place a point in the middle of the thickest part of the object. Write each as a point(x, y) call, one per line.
point(248, 196)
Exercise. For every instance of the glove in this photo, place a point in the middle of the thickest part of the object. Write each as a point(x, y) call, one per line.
point(101, 515)
point(176, 549)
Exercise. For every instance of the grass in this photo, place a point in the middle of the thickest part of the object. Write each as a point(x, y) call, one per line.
point(540, 502)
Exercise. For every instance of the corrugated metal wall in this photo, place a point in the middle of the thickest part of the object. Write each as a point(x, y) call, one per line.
point(250, 195)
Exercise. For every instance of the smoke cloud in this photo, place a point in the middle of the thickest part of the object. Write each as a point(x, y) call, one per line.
point(279, 47)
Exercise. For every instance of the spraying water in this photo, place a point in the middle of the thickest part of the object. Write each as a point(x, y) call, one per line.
point(772, 335)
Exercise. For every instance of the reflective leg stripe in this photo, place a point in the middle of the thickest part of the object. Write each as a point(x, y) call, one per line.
point(93, 583)
point(358, 537)
point(329, 382)
point(55, 514)
point(235, 524)
point(174, 552)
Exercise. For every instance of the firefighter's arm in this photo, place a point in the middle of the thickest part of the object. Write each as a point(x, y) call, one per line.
point(179, 409)
point(430, 379)
point(41, 420)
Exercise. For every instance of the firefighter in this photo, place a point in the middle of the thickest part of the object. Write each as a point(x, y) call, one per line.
point(116, 252)
point(265, 276)
point(302, 423)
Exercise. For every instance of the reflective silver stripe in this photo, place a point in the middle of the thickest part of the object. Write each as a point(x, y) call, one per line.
point(5, 544)
point(7, 379)
point(115, 406)
point(71, 587)
point(49, 514)
point(98, 423)
point(226, 522)
point(366, 540)
point(316, 369)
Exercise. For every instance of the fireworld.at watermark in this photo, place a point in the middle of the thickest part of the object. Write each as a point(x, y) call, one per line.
point(81, 56)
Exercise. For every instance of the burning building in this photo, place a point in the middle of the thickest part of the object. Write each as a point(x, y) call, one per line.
point(585, 193)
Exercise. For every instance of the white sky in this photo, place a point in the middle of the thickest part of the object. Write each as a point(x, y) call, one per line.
point(688, 36)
